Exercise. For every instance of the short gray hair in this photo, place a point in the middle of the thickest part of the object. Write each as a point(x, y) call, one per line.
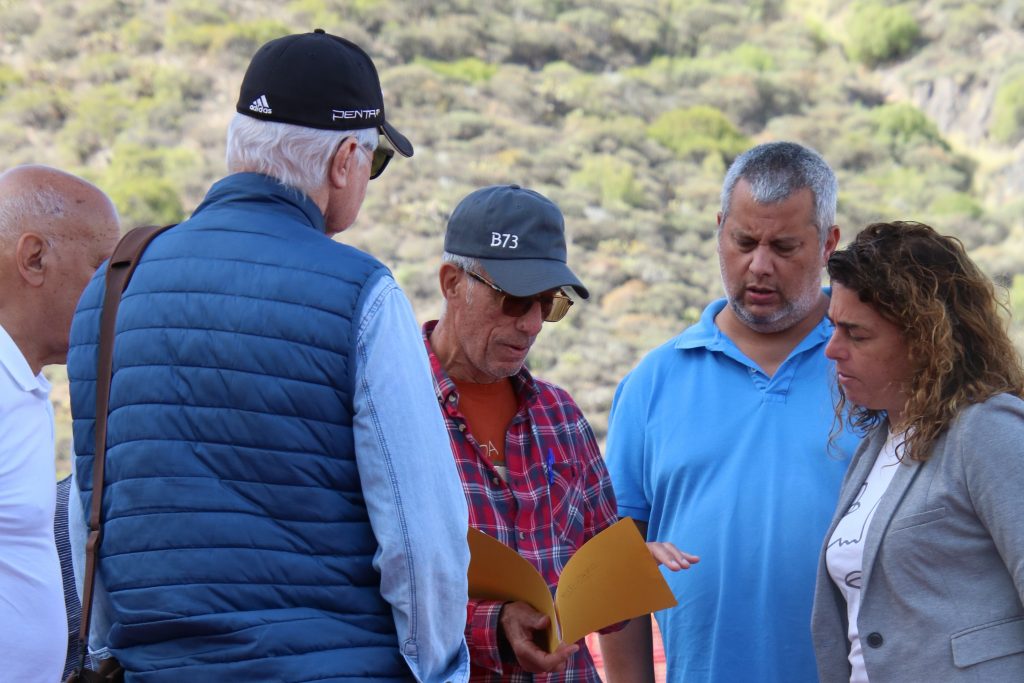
point(775, 170)
point(466, 263)
point(461, 262)
point(17, 208)
point(296, 156)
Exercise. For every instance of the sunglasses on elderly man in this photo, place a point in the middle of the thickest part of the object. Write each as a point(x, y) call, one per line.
point(553, 306)
point(379, 156)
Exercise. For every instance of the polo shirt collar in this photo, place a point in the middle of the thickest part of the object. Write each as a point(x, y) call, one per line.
point(703, 333)
point(17, 367)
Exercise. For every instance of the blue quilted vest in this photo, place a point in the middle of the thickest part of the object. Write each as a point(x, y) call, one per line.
point(236, 545)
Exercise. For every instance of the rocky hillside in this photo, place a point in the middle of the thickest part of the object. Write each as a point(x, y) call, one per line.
point(626, 114)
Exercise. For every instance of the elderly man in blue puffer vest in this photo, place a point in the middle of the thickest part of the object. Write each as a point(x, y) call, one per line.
point(281, 501)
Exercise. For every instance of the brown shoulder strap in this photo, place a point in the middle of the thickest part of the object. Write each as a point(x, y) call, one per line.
point(119, 270)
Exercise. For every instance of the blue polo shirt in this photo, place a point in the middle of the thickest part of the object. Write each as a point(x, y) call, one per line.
point(734, 466)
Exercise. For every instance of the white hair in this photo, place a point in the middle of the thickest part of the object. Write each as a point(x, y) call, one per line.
point(18, 209)
point(467, 264)
point(461, 262)
point(296, 156)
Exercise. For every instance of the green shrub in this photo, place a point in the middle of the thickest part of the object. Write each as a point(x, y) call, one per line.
point(903, 125)
point(588, 134)
point(198, 12)
point(469, 70)
point(641, 33)
point(1007, 124)
point(1016, 294)
point(695, 132)
point(9, 79)
point(315, 13)
point(446, 39)
point(56, 39)
point(538, 43)
point(146, 201)
point(141, 182)
point(968, 26)
point(956, 204)
point(99, 115)
point(589, 22)
point(17, 21)
point(190, 38)
point(244, 38)
point(879, 34)
point(817, 34)
point(100, 16)
point(12, 138)
point(611, 178)
point(191, 87)
point(753, 57)
point(141, 35)
point(37, 108)
point(104, 67)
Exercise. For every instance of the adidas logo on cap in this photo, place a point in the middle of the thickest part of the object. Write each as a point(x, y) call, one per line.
point(261, 105)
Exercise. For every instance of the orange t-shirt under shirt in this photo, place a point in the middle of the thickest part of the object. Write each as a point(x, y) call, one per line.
point(488, 409)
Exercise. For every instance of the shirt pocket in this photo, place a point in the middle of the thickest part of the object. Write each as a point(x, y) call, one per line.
point(917, 519)
point(988, 641)
point(567, 503)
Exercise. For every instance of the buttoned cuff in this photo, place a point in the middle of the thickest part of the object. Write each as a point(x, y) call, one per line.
point(482, 633)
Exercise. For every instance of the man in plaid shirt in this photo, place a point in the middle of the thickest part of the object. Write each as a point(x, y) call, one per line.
point(530, 466)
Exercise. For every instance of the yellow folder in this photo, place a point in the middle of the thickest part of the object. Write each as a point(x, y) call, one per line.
point(610, 579)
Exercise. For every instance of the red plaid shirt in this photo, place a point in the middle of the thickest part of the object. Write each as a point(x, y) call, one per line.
point(545, 522)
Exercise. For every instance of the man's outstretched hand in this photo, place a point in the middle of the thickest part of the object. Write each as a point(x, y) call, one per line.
point(671, 556)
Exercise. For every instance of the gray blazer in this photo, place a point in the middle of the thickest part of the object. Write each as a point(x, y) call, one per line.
point(943, 574)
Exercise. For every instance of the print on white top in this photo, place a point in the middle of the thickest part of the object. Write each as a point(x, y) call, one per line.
point(844, 555)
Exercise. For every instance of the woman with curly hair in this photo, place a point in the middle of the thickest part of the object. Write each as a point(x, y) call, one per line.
point(922, 573)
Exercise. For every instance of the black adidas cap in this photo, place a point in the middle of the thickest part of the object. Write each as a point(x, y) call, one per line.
point(317, 80)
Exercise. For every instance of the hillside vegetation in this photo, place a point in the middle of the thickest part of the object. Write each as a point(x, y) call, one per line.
point(625, 113)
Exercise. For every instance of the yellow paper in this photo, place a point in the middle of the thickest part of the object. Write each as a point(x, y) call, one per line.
point(610, 579)
point(496, 572)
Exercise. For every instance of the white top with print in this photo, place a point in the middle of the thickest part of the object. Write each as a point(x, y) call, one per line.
point(845, 553)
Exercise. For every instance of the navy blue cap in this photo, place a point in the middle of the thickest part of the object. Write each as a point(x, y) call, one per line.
point(518, 235)
point(317, 80)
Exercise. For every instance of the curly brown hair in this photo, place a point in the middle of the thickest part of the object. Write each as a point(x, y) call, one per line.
point(949, 316)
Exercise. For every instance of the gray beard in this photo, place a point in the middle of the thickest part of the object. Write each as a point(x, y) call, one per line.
point(789, 314)
point(780, 320)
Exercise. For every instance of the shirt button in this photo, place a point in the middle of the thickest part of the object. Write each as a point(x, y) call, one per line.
point(496, 481)
point(875, 639)
point(462, 427)
point(522, 535)
point(451, 398)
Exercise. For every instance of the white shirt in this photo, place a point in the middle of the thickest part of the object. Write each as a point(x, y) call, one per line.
point(845, 553)
point(33, 621)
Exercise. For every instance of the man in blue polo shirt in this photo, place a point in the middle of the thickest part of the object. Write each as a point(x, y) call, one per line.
point(719, 439)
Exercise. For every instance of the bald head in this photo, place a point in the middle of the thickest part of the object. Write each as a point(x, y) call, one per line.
point(42, 198)
point(55, 230)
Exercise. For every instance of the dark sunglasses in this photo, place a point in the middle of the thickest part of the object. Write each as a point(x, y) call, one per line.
point(381, 157)
point(553, 306)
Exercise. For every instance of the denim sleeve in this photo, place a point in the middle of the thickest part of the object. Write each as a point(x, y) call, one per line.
point(78, 534)
point(412, 488)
